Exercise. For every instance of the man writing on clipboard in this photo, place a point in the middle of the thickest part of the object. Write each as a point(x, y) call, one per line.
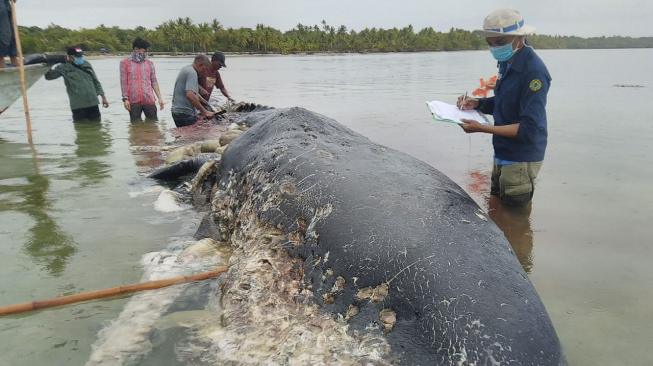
point(518, 107)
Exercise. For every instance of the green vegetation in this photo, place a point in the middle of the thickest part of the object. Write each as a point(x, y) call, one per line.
point(182, 35)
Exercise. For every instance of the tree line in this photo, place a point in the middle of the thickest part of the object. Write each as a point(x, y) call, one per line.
point(182, 35)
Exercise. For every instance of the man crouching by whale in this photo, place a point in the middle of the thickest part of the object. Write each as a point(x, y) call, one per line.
point(185, 98)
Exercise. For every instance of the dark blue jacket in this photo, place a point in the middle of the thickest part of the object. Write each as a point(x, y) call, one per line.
point(520, 97)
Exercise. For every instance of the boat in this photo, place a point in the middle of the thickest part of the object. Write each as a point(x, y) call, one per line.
point(35, 67)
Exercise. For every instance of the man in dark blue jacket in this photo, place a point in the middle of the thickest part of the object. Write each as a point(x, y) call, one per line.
point(518, 107)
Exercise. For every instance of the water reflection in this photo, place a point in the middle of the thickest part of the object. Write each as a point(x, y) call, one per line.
point(146, 139)
point(93, 140)
point(26, 192)
point(47, 243)
point(515, 223)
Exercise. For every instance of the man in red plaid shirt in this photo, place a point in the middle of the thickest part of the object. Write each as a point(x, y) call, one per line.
point(139, 84)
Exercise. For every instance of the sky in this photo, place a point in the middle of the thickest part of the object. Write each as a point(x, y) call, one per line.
point(585, 18)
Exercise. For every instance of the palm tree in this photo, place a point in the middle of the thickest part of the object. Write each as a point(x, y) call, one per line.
point(204, 36)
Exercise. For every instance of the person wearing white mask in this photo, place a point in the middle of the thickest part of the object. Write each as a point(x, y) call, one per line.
point(518, 108)
point(139, 84)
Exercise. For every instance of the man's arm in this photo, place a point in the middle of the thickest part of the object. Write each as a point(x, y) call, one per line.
point(155, 86)
point(98, 87)
point(194, 99)
point(486, 105)
point(532, 112)
point(202, 87)
point(124, 77)
point(224, 92)
point(220, 85)
point(158, 96)
point(192, 88)
point(53, 73)
point(511, 131)
point(203, 92)
point(483, 105)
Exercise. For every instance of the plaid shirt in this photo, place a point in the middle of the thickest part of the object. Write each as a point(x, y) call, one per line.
point(137, 80)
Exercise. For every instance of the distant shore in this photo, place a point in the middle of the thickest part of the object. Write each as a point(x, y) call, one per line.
point(97, 55)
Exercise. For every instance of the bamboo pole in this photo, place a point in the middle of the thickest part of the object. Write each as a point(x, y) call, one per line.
point(21, 71)
point(109, 292)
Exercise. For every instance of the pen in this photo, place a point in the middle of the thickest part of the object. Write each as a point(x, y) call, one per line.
point(462, 103)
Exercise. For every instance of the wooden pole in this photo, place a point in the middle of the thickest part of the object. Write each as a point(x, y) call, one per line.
point(21, 71)
point(109, 292)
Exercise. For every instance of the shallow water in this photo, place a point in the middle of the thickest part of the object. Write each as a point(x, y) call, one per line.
point(76, 213)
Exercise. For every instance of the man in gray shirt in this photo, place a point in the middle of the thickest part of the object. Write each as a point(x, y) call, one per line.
point(185, 98)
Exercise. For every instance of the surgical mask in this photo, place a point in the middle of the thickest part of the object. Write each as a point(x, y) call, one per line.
point(502, 53)
point(79, 60)
point(138, 57)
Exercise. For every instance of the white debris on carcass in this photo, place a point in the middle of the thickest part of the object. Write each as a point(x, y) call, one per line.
point(267, 314)
point(388, 319)
point(375, 294)
point(169, 201)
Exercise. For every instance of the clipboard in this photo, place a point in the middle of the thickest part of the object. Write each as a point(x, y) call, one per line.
point(449, 113)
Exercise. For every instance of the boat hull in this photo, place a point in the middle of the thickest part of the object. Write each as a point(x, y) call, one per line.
point(10, 83)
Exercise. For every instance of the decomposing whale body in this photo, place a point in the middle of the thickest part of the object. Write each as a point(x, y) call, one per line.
point(394, 262)
point(341, 251)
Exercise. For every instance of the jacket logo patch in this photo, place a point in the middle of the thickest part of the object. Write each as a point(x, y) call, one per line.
point(535, 85)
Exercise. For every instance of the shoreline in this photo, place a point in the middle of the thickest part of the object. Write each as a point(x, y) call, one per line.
point(94, 55)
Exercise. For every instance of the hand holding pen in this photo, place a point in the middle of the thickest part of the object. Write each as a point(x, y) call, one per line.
point(465, 103)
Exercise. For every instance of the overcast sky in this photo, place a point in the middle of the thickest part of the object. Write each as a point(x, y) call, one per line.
point(554, 17)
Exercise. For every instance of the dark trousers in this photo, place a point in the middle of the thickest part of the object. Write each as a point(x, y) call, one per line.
point(87, 114)
point(7, 41)
point(182, 119)
point(137, 110)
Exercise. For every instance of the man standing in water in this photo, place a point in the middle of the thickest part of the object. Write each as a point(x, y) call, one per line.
point(213, 79)
point(139, 84)
point(186, 98)
point(7, 39)
point(518, 107)
point(82, 85)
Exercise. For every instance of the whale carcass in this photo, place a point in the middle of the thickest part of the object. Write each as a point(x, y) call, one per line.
point(395, 262)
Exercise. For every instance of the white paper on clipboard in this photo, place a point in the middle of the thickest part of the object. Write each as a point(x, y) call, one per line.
point(445, 112)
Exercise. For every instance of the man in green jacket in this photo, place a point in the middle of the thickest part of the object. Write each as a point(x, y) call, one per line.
point(82, 85)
